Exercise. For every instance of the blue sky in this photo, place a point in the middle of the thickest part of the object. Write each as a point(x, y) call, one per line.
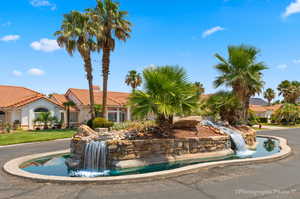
point(187, 33)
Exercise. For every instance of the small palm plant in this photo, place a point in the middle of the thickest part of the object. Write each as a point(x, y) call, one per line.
point(45, 118)
point(287, 114)
point(76, 33)
point(167, 92)
point(68, 105)
point(133, 79)
point(111, 24)
point(269, 94)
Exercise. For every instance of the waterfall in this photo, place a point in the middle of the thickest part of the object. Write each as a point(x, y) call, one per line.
point(95, 156)
point(95, 161)
point(237, 138)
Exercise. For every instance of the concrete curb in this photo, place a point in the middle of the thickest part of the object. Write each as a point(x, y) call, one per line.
point(12, 168)
point(30, 143)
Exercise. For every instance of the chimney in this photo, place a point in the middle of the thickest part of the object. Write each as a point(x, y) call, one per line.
point(96, 88)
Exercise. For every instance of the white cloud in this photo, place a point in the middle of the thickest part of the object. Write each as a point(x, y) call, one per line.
point(211, 31)
point(43, 3)
point(17, 73)
point(282, 66)
point(8, 38)
point(292, 8)
point(46, 45)
point(296, 61)
point(35, 72)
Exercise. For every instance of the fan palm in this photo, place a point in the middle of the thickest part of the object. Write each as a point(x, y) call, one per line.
point(290, 90)
point(133, 79)
point(68, 106)
point(166, 93)
point(111, 24)
point(76, 33)
point(242, 73)
point(269, 94)
point(200, 88)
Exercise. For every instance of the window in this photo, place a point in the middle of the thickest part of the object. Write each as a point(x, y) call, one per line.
point(73, 116)
point(112, 116)
point(38, 111)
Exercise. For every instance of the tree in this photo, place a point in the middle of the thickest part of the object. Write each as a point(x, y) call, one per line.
point(290, 90)
point(111, 24)
point(224, 105)
point(76, 33)
point(98, 108)
point(269, 95)
point(68, 106)
point(242, 73)
point(200, 88)
point(133, 79)
point(287, 114)
point(167, 93)
point(45, 118)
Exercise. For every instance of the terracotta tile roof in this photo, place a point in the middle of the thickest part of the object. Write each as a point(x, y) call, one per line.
point(113, 99)
point(61, 99)
point(258, 108)
point(15, 96)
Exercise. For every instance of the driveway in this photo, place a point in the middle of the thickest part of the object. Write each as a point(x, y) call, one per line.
point(279, 179)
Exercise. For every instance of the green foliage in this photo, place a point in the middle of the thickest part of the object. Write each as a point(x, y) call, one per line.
point(200, 88)
point(134, 125)
point(242, 73)
point(100, 122)
point(287, 114)
point(290, 90)
point(252, 118)
point(46, 119)
point(167, 92)
point(225, 106)
point(269, 94)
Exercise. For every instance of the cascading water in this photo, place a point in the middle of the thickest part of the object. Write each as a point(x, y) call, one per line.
point(237, 138)
point(95, 160)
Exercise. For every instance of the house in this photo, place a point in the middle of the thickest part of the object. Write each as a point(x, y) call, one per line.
point(264, 111)
point(19, 105)
point(117, 109)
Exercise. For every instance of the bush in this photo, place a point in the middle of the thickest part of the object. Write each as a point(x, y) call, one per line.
point(100, 122)
point(262, 120)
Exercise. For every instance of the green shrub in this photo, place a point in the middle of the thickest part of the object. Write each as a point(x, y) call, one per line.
point(262, 120)
point(100, 122)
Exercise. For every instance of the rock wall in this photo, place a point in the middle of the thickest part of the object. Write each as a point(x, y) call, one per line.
point(120, 150)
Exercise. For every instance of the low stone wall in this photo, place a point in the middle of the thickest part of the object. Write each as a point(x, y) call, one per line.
point(122, 150)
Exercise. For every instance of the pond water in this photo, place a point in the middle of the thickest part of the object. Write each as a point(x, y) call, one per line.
point(55, 165)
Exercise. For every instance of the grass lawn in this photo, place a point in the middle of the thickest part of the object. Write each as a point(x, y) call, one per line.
point(34, 136)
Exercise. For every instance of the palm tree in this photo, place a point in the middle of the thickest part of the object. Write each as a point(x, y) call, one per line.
point(166, 93)
point(242, 73)
point(269, 94)
point(287, 114)
point(111, 24)
point(76, 33)
point(98, 108)
point(133, 79)
point(200, 88)
point(223, 105)
point(68, 106)
point(290, 90)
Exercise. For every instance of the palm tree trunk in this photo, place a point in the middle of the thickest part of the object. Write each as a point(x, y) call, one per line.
point(89, 76)
point(105, 73)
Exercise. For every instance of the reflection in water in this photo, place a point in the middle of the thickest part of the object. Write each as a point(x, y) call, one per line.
point(269, 145)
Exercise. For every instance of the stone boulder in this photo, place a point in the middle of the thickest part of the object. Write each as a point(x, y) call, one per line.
point(187, 122)
point(84, 132)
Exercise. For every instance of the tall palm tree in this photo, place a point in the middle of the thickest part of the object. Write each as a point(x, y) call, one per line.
point(68, 106)
point(200, 88)
point(269, 95)
point(133, 79)
point(76, 33)
point(242, 73)
point(111, 24)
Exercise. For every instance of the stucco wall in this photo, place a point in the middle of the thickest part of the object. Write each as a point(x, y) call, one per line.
point(27, 112)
